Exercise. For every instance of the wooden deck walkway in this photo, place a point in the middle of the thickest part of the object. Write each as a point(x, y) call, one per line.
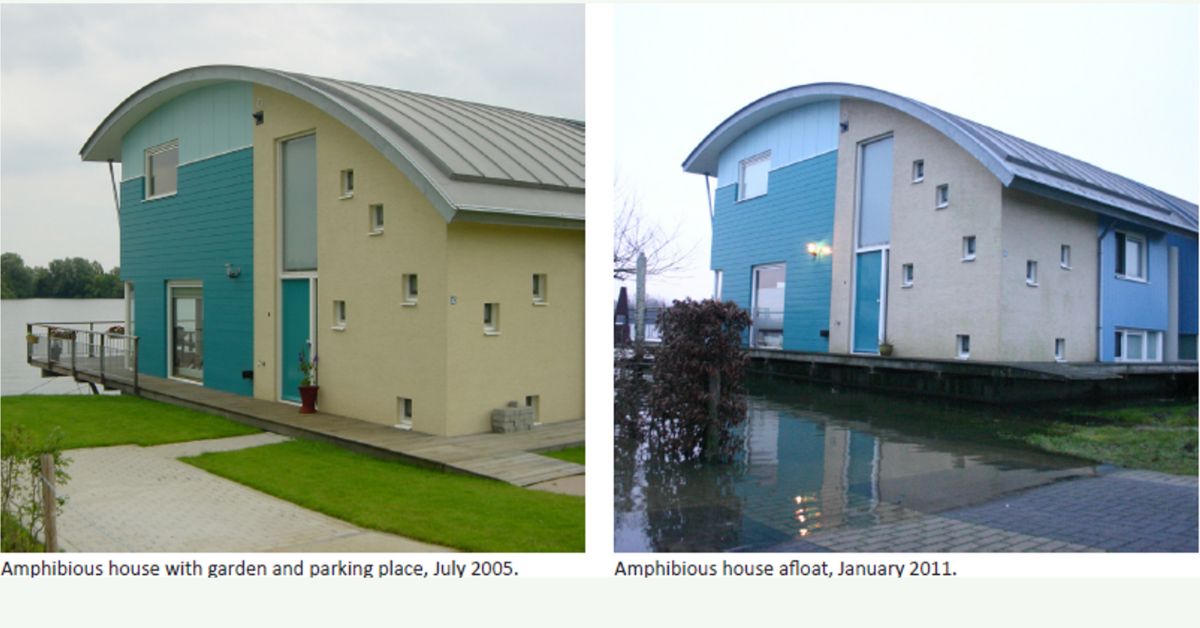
point(504, 457)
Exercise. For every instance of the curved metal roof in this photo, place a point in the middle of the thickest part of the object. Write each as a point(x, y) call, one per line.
point(471, 160)
point(1015, 162)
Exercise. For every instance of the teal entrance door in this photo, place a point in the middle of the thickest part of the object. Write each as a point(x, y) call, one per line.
point(295, 336)
point(868, 300)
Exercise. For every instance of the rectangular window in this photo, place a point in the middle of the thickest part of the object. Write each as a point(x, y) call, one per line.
point(875, 193)
point(1060, 349)
point(963, 346)
point(1031, 273)
point(162, 170)
point(943, 196)
point(766, 307)
point(339, 315)
point(347, 185)
point(1064, 256)
point(491, 318)
point(299, 204)
point(1187, 346)
point(1131, 256)
point(410, 289)
point(906, 275)
point(534, 401)
point(539, 289)
point(375, 216)
point(968, 253)
point(1138, 345)
point(404, 413)
point(918, 171)
point(752, 178)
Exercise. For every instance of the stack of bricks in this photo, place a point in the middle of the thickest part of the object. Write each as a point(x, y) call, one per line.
point(512, 418)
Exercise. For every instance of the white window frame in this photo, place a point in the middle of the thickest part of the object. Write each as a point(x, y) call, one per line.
point(942, 196)
point(339, 315)
point(535, 402)
point(1031, 273)
point(918, 171)
point(346, 183)
point(962, 346)
point(148, 171)
point(491, 319)
point(411, 286)
point(539, 288)
point(906, 275)
point(1143, 257)
point(968, 248)
point(1064, 256)
point(375, 219)
point(1145, 338)
point(1060, 349)
point(764, 156)
point(404, 412)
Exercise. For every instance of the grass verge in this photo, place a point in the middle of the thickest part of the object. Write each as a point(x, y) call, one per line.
point(1159, 437)
point(567, 454)
point(464, 512)
point(101, 421)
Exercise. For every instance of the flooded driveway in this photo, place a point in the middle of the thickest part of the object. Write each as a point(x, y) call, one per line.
point(819, 471)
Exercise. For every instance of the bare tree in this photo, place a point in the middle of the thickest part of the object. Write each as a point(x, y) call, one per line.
point(633, 234)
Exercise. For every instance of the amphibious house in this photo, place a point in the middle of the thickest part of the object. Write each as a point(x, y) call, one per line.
point(428, 250)
point(850, 220)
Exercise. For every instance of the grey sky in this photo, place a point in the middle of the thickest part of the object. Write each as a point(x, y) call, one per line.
point(64, 68)
point(1114, 85)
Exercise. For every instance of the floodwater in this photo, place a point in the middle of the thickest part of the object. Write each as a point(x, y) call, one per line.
point(17, 377)
point(812, 460)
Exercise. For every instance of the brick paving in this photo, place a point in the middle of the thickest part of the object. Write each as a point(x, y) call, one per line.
point(1121, 511)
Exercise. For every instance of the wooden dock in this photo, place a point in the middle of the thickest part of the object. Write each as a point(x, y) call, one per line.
point(505, 457)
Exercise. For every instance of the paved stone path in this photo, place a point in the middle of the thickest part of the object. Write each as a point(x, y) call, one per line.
point(142, 499)
point(1121, 511)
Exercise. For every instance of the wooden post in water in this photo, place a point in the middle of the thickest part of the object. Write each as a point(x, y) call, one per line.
point(639, 329)
point(49, 503)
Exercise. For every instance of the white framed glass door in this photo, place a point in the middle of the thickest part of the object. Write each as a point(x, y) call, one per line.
point(185, 334)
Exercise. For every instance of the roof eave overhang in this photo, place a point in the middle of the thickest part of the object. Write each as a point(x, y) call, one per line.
point(517, 218)
point(1102, 209)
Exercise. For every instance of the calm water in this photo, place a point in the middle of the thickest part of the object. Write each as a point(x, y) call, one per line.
point(812, 461)
point(18, 378)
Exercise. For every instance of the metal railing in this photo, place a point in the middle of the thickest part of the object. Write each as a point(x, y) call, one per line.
point(100, 349)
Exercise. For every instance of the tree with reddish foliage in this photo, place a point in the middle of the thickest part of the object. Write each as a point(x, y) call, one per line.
point(698, 392)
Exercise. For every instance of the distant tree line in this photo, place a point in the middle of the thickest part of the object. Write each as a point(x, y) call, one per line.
point(67, 278)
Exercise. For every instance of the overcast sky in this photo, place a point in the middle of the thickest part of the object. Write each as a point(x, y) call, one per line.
point(64, 68)
point(1113, 85)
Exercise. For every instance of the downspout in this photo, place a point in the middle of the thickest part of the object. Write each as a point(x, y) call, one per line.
point(708, 189)
point(116, 199)
point(1100, 291)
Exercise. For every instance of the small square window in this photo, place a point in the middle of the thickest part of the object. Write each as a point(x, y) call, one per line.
point(918, 171)
point(968, 252)
point(534, 401)
point(491, 318)
point(943, 196)
point(1064, 256)
point(339, 315)
point(1031, 273)
point(347, 183)
point(410, 289)
point(752, 176)
point(539, 289)
point(906, 275)
point(963, 346)
point(404, 413)
point(1060, 349)
point(162, 170)
point(375, 216)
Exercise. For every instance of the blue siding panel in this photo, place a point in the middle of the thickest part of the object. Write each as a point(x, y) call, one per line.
point(191, 236)
point(207, 121)
point(1189, 283)
point(791, 136)
point(1132, 304)
point(777, 227)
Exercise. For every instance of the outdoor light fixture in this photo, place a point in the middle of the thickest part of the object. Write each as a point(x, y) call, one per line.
point(816, 249)
point(233, 272)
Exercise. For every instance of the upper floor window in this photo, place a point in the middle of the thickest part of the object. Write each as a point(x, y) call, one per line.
point(1131, 256)
point(943, 196)
point(752, 178)
point(918, 171)
point(162, 170)
point(347, 183)
point(539, 289)
point(1064, 256)
point(968, 253)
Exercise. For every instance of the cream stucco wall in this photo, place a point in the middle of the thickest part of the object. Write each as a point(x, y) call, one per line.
point(387, 350)
point(539, 348)
point(948, 296)
point(1063, 304)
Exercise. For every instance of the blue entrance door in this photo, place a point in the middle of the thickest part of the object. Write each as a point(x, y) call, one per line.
point(868, 297)
point(294, 336)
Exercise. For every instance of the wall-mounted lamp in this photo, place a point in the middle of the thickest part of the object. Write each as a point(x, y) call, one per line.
point(233, 272)
point(816, 249)
point(258, 118)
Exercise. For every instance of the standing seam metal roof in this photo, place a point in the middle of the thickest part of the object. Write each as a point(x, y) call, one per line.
point(465, 156)
point(1014, 161)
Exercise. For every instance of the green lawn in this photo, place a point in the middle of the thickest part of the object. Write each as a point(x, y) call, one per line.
point(104, 420)
point(448, 509)
point(569, 454)
point(1159, 437)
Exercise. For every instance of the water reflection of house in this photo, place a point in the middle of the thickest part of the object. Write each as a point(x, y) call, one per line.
point(845, 216)
point(449, 237)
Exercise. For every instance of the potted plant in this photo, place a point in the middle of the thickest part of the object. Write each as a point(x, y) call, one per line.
point(31, 339)
point(885, 348)
point(57, 336)
point(308, 390)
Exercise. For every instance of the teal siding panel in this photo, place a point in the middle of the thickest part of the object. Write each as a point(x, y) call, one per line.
point(191, 236)
point(777, 227)
point(207, 121)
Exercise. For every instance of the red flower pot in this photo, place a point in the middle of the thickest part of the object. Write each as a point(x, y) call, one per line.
point(308, 399)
